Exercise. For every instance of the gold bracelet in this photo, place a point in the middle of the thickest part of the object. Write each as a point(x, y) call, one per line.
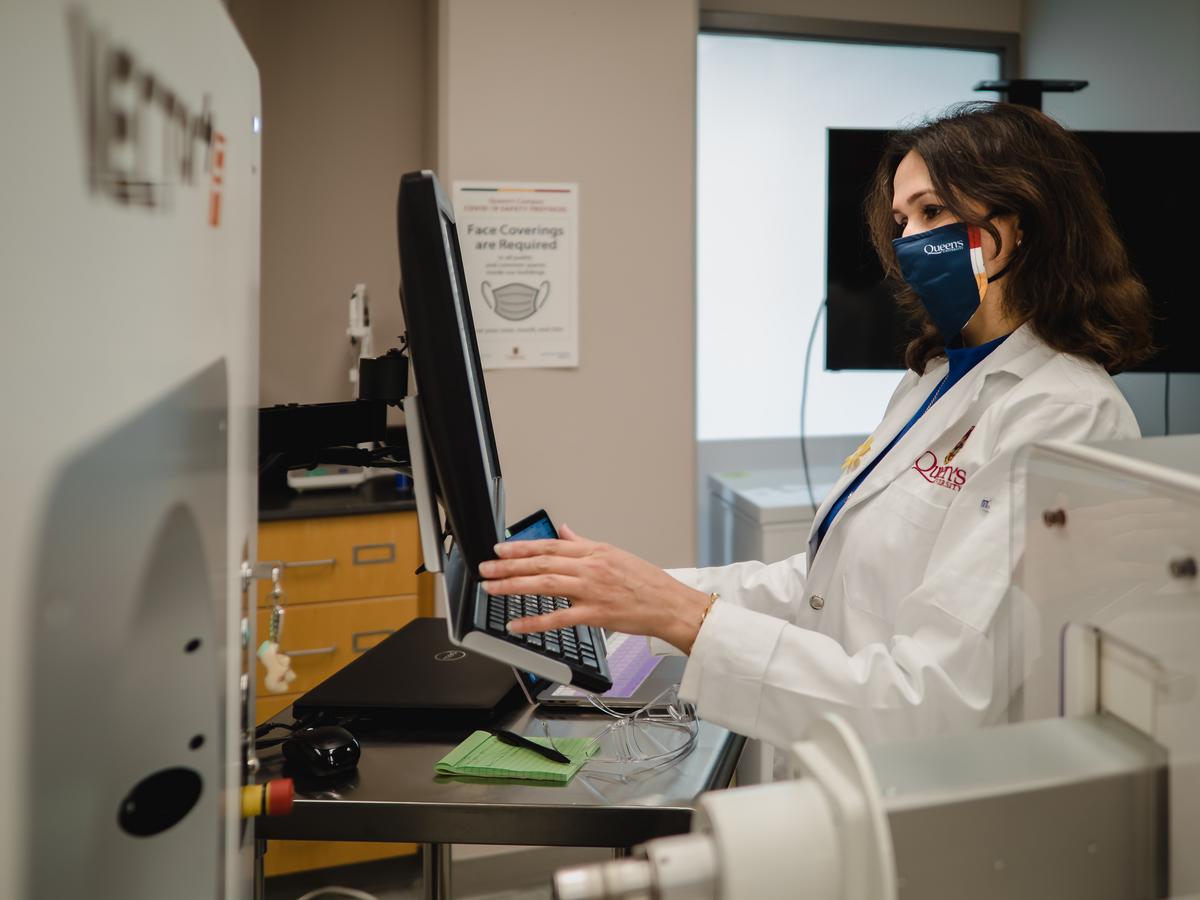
point(712, 598)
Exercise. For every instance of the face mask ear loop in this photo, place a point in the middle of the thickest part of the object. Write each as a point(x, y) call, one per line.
point(1013, 258)
point(1001, 273)
point(1008, 265)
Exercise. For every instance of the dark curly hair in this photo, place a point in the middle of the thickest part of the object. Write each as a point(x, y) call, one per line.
point(1070, 278)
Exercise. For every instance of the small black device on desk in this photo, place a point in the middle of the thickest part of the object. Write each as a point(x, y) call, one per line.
point(415, 678)
point(455, 461)
point(322, 751)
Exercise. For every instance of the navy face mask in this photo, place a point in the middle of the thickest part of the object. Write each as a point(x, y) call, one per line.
point(945, 268)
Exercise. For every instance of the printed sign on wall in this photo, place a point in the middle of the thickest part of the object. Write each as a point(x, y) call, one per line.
point(520, 255)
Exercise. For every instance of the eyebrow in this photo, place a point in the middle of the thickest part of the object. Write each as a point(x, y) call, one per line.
point(918, 195)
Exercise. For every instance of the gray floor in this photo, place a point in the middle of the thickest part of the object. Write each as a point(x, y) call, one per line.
point(520, 875)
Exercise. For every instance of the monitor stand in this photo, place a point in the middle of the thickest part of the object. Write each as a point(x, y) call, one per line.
point(427, 514)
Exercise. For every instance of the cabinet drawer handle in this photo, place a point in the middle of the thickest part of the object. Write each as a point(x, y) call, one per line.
point(314, 651)
point(304, 563)
point(374, 554)
point(358, 636)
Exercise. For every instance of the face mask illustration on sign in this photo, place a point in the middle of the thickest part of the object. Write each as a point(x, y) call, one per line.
point(515, 301)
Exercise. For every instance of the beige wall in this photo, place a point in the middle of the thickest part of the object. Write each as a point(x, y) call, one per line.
point(344, 96)
point(603, 94)
point(994, 15)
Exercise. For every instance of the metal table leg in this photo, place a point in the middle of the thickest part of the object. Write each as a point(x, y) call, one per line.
point(260, 878)
point(435, 866)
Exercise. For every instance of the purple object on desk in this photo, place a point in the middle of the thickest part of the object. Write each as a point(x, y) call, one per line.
point(629, 665)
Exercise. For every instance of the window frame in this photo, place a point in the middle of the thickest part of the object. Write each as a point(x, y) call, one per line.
point(1005, 43)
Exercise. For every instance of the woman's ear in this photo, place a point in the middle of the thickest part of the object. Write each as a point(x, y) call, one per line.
point(1011, 229)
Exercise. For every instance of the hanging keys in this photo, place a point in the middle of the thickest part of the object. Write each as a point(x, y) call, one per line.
point(275, 629)
point(278, 665)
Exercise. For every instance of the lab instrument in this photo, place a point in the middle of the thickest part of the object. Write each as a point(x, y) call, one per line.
point(132, 184)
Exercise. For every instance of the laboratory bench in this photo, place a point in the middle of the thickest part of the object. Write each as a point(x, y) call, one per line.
point(396, 794)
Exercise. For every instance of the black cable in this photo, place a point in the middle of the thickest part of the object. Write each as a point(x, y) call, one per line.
point(1167, 402)
point(812, 336)
point(268, 727)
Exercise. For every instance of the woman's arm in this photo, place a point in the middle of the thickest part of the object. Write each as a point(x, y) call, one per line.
point(615, 589)
point(608, 587)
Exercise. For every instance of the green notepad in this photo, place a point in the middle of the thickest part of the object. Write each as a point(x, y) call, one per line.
point(483, 756)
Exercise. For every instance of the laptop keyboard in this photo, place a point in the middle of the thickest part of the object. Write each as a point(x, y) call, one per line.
point(571, 644)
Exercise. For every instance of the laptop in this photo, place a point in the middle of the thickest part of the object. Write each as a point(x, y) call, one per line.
point(639, 678)
point(417, 676)
point(456, 467)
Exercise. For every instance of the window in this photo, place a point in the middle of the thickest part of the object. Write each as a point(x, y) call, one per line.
point(764, 104)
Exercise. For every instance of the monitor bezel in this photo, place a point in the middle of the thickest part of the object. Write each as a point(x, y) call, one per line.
point(446, 368)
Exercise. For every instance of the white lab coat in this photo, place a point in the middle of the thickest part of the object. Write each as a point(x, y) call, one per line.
point(893, 624)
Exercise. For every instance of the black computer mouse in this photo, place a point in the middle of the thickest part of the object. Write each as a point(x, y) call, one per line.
point(322, 751)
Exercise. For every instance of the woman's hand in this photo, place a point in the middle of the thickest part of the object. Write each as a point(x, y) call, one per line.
point(608, 587)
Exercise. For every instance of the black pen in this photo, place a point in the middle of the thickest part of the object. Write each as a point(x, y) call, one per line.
point(515, 740)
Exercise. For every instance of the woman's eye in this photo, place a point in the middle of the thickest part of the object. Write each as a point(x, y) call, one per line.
point(932, 212)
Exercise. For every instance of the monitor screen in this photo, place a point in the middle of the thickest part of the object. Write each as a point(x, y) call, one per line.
point(1150, 199)
point(457, 423)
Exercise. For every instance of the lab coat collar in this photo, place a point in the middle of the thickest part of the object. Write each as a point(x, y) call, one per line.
point(1020, 354)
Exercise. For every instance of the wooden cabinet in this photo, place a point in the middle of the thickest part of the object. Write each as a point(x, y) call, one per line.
point(342, 557)
point(349, 581)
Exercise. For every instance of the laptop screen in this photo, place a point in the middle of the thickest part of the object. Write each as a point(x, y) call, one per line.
point(456, 420)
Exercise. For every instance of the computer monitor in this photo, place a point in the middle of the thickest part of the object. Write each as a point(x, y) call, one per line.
point(447, 415)
point(456, 420)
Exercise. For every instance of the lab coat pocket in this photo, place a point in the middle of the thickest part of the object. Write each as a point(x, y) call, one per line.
point(922, 505)
point(889, 550)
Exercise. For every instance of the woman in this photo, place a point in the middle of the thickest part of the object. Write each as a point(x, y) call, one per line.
point(993, 218)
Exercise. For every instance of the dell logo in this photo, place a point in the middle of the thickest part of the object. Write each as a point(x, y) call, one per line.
point(450, 656)
point(934, 249)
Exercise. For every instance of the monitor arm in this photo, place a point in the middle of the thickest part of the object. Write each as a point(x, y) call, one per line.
point(354, 432)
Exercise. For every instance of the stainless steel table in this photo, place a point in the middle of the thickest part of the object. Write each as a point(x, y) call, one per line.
point(397, 796)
